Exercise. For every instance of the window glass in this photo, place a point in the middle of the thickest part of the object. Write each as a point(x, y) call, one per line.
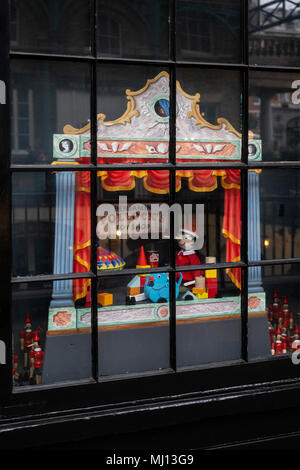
point(208, 317)
point(208, 125)
point(48, 99)
point(274, 196)
point(273, 329)
point(133, 214)
point(209, 203)
point(274, 33)
point(133, 322)
point(50, 26)
point(136, 29)
point(51, 220)
point(274, 115)
point(48, 345)
point(133, 115)
point(208, 31)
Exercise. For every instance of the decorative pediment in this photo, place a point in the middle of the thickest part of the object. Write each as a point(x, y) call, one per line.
point(141, 134)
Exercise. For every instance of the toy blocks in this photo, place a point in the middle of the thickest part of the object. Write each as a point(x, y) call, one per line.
point(105, 299)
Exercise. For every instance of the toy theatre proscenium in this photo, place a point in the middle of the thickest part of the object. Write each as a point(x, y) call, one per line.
point(134, 318)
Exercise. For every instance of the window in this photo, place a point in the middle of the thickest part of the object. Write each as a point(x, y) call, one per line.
point(154, 223)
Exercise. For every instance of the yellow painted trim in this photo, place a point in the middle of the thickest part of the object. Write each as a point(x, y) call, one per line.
point(148, 83)
point(230, 236)
point(154, 190)
point(82, 262)
point(83, 293)
point(118, 188)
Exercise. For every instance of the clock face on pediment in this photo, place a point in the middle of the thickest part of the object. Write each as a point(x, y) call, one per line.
point(141, 134)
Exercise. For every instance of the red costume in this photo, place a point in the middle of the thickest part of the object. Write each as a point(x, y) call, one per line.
point(38, 355)
point(188, 258)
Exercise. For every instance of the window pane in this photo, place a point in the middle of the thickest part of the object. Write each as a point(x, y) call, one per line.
point(208, 125)
point(208, 315)
point(273, 195)
point(209, 204)
point(48, 345)
point(209, 31)
point(133, 217)
point(274, 33)
point(274, 291)
point(274, 114)
point(51, 26)
point(54, 99)
point(133, 320)
point(50, 223)
point(133, 115)
point(137, 29)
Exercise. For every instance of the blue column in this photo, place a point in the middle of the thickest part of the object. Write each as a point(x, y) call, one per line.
point(254, 247)
point(64, 235)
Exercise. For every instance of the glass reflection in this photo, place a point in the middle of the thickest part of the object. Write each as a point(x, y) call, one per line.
point(137, 29)
point(274, 114)
point(208, 317)
point(274, 196)
point(133, 320)
point(50, 26)
point(47, 98)
point(208, 31)
point(274, 32)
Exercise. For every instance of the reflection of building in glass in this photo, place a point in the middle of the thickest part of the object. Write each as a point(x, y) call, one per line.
point(274, 28)
point(273, 116)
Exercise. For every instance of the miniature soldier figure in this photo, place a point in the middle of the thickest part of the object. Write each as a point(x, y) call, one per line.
point(16, 374)
point(36, 361)
point(284, 329)
point(273, 348)
point(26, 338)
point(271, 332)
point(291, 321)
point(278, 342)
point(278, 346)
point(296, 342)
point(285, 309)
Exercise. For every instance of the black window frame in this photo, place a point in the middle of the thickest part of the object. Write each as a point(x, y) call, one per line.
point(239, 377)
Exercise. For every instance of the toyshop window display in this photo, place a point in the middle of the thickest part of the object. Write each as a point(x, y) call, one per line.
point(45, 96)
point(274, 114)
point(138, 30)
point(54, 27)
point(278, 291)
point(42, 329)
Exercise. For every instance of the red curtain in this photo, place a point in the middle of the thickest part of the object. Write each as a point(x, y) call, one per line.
point(82, 233)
